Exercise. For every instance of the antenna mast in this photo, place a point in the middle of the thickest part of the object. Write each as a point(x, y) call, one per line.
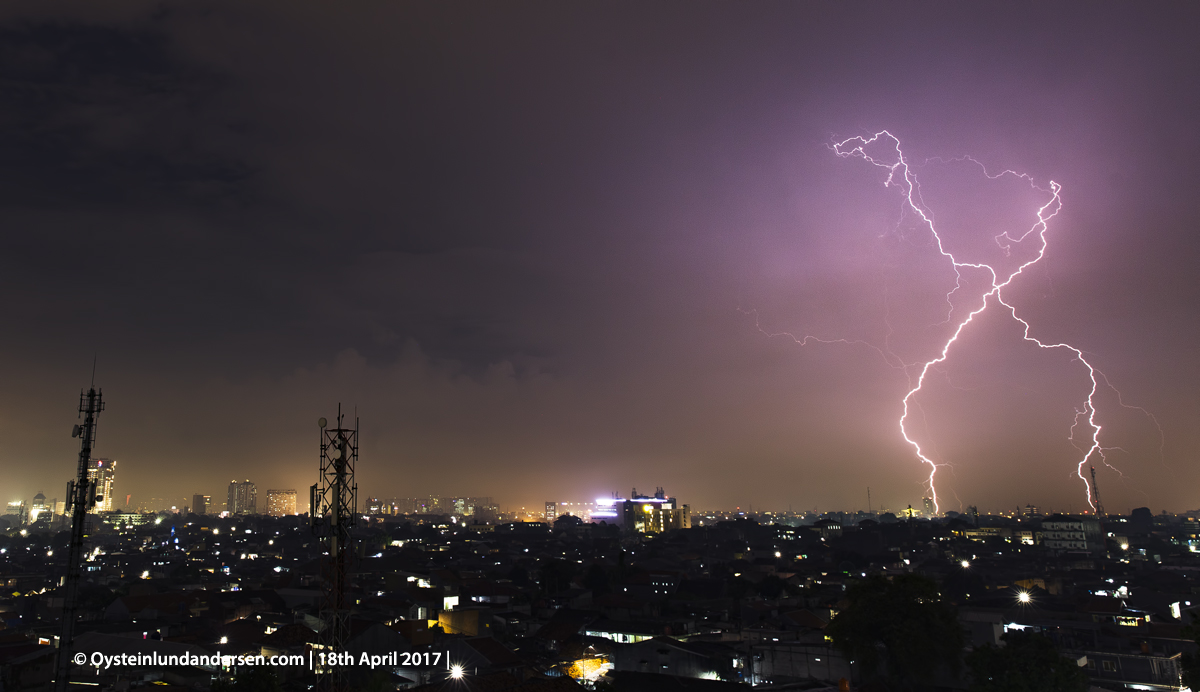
point(81, 497)
point(333, 504)
point(1096, 495)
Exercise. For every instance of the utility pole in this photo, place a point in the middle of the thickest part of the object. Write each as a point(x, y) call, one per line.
point(333, 504)
point(81, 496)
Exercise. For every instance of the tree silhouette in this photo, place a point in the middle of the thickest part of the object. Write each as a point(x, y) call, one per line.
point(1027, 663)
point(899, 629)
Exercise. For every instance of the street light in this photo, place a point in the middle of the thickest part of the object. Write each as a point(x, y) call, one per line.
point(1024, 597)
point(456, 672)
point(966, 564)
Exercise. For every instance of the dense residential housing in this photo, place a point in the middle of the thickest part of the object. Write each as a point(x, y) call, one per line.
point(730, 599)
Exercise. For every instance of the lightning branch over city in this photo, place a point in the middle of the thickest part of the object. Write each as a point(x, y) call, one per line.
point(883, 150)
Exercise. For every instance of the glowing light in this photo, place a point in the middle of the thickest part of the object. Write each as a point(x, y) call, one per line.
point(1024, 597)
point(224, 640)
point(966, 564)
point(589, 669)
point(456, 672)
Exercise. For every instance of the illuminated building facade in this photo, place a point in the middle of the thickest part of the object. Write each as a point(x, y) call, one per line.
point(243, 498)
point(643, 513)
point(281, 503)
point(1065, 534)
point(551, 512)
point(17, 511)
point(102, 474)
point(608, 510)
point(479, 508)
point(200, 504)
point(39, 505)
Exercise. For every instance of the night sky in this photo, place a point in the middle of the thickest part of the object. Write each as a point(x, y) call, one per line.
point(543, 247)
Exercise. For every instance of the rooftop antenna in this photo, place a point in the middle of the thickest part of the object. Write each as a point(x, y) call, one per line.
point(81, 497)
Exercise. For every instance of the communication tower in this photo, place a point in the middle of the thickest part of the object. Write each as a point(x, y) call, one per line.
point(81, 497)
point(333, 504)
point(1096, 495)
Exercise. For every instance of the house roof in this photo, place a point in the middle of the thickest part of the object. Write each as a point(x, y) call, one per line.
point(564, 624)
point(289, 636)
point(497, 654)
point(805, 618)
point(162, 602)
point(1101, 605)
point(502, 682)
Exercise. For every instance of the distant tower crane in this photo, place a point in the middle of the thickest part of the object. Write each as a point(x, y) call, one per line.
point(1096, 495)
point(81, 497)
point(333, 504)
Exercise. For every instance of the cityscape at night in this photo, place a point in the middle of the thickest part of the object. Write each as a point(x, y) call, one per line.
point(624, 347)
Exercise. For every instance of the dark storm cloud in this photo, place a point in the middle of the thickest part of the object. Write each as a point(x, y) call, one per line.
point(103, 117)
point(533, 243)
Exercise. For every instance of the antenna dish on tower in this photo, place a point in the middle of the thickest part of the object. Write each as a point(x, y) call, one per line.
point(322, 422)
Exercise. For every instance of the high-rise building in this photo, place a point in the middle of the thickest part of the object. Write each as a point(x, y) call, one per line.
point(16, 510)
point(102, 473)
point(200, 504)
point(243, 498)
point(281, 503)
point(645, 514)
point(928, 503)
point(39, 506)
point(551, 512)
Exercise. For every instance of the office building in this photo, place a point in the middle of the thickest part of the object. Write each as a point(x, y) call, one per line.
point(643, 513)
point(1065, 534)
point(243, 498)
point(200, 504)
point(39, 507)
point(281, 503)
point(102, 474)
point(16, 512)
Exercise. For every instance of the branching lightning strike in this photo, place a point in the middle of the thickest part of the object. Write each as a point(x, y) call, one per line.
point(900, 176)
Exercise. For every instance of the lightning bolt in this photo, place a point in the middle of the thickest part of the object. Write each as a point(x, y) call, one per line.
point(900, 175)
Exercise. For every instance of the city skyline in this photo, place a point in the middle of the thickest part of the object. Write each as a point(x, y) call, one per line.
point(575, 506)
point(559, 252)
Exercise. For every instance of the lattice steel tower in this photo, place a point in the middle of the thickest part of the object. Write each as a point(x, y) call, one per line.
point(1096, 495)
point(333, 504)
point(81, 497)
